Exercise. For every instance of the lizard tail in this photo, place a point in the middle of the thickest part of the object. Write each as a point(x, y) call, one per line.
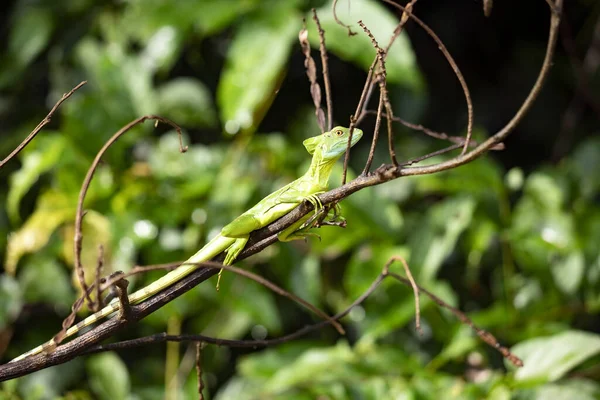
point(211, 249)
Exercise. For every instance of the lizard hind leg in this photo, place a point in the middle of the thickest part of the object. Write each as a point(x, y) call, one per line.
point(239, 229)
point(231, 254)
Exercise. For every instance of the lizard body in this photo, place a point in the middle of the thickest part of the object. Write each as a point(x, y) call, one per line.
point(326, 150)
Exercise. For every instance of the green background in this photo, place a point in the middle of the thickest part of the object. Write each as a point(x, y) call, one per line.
point(512, 238)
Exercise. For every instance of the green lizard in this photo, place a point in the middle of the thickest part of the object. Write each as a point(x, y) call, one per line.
point(326, 149)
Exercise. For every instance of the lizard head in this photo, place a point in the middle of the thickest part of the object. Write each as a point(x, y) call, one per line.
point(332, 144)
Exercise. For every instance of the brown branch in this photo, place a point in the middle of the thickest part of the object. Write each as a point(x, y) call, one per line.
point(199, 347)
point(325, 70)
point(77, 242)
point(44, 122)
point(487, 7)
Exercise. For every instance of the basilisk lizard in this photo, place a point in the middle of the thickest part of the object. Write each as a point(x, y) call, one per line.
point(326, 149)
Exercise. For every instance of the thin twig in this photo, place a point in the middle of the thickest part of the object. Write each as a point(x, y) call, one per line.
point(415, 160)
point(375, 136)
point(438, 135)
point(403, 20)
point(98, 303)
point(354, 120)
point(199, 346)
point(337, 20)
point(44, 122)
point(325, 70)
point(414, 287)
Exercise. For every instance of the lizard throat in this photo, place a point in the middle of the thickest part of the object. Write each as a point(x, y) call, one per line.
point(320, 170)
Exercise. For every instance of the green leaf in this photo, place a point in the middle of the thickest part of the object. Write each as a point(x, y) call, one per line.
point(37, 272)
point(585, 160)
point(568, 272)
point(39, 157)
point(51, 382)
point(305, 279)
point(261, 309)
point(548, 359)
point(579, 389)
point(255, 62)
point(545, 191)
point(96, 231)
point(215, 15)
point(461, 343)
point(108, 376)
point(53, 209)
point(401, 62)
point(30, 34)
point(187, 101)
point(436, 236)
point(540, 230)
point(11, 300)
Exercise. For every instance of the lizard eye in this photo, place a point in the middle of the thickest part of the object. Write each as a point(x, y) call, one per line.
point(339, 132)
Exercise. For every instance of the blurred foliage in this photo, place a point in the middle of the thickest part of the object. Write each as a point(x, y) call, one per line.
point(518, 251)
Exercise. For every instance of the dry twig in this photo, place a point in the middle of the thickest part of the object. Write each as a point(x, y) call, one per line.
point(42, 124)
